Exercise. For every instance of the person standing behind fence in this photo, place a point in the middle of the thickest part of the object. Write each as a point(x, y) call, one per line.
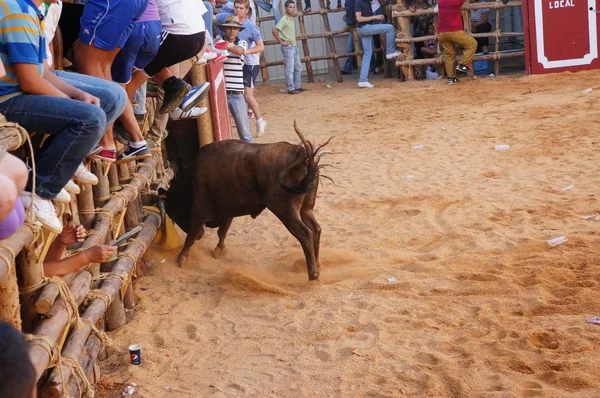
point(370, 25)
point(450, 32)
point(480, 24)
point(285, 33)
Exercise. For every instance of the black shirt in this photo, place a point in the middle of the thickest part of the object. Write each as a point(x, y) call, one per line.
point(364, 7)
point(350, 15)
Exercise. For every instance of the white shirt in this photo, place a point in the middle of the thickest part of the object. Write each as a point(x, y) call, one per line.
point(476, 14)
point(182, 17)
point(50, 24)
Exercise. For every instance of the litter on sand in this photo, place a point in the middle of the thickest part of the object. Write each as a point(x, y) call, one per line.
point(557, 241)
point(328, 86)
point(502, 147)
point(409, 177)
point(568, 188)
point(587, 91)
point(417, 147)
point(595, 320)
point(391, 280)
point(594, 216)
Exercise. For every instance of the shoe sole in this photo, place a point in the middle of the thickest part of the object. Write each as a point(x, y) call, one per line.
point(132, 158)
point(95, 151)
point(96, 157)
point(84, 181)
point(49, 227)
point(196, 99)
point(176, 101)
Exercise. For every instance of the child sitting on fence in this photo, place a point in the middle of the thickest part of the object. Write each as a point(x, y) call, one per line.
point(73, 112)
point(13, 177)
point(55, 264)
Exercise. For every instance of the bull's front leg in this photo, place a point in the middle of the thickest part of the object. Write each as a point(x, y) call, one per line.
point(196, 232)
point(292, 221)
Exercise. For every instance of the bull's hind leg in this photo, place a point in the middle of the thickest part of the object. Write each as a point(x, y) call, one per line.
point(308, 218)
point(196, 233)
point(220, 250)
point(290, 217)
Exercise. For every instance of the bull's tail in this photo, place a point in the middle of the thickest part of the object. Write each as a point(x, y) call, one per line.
point(302, 175)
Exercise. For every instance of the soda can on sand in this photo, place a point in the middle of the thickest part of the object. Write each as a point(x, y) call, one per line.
point(135, 354)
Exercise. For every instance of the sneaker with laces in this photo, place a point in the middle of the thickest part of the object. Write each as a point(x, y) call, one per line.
point(463, 68)
point(63, 197)
point(195, 96)
point(131, 154)
point(85, 176)
point(44, 212)
point(175, 90)
point(301, 89)
point(72, 188)
point(107, 155)
point(307, 9)
point(95, 150)
point(260, 127)
point(293, 92)
point(193, 113)
point(365, 85)
point(452, 81)
point(393, 55)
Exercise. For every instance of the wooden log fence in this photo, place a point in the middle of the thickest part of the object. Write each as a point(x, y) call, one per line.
point(405, 40)
point(49, 308)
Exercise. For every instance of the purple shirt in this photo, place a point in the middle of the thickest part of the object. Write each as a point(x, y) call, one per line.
point(151, 13)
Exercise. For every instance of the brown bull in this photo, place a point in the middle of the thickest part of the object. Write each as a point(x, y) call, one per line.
point(232, 178)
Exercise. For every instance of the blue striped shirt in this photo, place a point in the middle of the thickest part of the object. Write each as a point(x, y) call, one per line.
point(22, 41)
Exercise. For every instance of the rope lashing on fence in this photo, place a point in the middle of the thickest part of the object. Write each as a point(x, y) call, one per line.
point(105, 275)
point(99, 210)
point(121, 196)
point(104, 339)
point(100, 295)
point(91, 232)
point(5, 258)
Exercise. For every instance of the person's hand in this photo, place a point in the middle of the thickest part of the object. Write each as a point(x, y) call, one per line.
point(87, 98)
point(72, 234)
point(100, 253)
point(379, 17)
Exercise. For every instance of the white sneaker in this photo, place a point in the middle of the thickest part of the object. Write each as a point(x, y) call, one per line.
point(260, 127)
point(395, 54)
point(365, 85)
point(72, 187)
point(44, 211)
point(85, 176)
point(193, 113)
point(63, 197)
point(209, 55)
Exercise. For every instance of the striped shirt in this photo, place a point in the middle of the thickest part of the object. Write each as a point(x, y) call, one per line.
point(21, 41)
point(234, 69)
point(476, 14)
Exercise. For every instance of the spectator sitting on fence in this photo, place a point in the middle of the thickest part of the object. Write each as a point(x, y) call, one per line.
point(17, 374)
point(13, 177)
point(430, 50)
point(251, 35)
point(72, 112)
point(56, 265)
point(370, 25)
point(234, 76)
point(285, 33)
point(480, 24)
point(450, 33)
point(105, 27)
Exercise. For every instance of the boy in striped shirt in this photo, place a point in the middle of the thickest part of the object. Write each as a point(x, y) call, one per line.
point(234, 76)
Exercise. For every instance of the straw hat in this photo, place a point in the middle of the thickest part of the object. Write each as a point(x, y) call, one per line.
point(232, 21)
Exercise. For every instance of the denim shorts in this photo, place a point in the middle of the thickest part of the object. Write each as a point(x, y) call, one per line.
point(138, 51)
point(106, 24)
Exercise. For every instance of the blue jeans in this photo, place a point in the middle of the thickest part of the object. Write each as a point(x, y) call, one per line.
point(277, 10)
point(349, 64)
point(74, 127)
point(292, 66)
point(208, 17)
point(366, 34)
point(239, 111)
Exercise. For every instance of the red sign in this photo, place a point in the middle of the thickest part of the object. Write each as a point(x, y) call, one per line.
point(562, 35)
point(218, 101)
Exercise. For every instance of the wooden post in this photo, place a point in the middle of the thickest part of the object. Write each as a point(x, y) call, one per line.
point(91, 352)
point(263, 69)
point(466, 15)
point(32, 273)
point(305, 48)
point(113, 178)
point(102, 189)
point(132, 214)
point(357, 48)
point(9, 298)
point(85, 201)
point(332, 51)
point(497, 44)
point(124, 174)
point(129, 299)
point(204, 122)
point(404, 25)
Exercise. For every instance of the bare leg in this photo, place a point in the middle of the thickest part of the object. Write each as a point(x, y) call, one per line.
point(220, 250)
point(89, 60)
point(130, 123)
point(290, 217)
point(249, 96)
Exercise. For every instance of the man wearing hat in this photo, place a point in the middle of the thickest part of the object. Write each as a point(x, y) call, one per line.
point(234, 75)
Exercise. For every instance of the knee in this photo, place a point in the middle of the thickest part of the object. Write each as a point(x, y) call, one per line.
point(8, 199)
point(93, 121)
point(16, 170)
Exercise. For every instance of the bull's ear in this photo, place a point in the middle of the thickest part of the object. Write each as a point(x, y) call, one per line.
point(293, 174)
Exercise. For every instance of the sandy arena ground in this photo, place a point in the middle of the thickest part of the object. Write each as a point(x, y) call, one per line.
point(481, 306)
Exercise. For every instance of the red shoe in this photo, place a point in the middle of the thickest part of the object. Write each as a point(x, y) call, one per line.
point(108, 155)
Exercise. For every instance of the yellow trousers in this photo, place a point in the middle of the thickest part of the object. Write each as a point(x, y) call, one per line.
point(463, 39)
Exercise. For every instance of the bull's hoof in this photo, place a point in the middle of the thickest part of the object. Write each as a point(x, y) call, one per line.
point(181, 260)
point(219, 252)
point(314, 277)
